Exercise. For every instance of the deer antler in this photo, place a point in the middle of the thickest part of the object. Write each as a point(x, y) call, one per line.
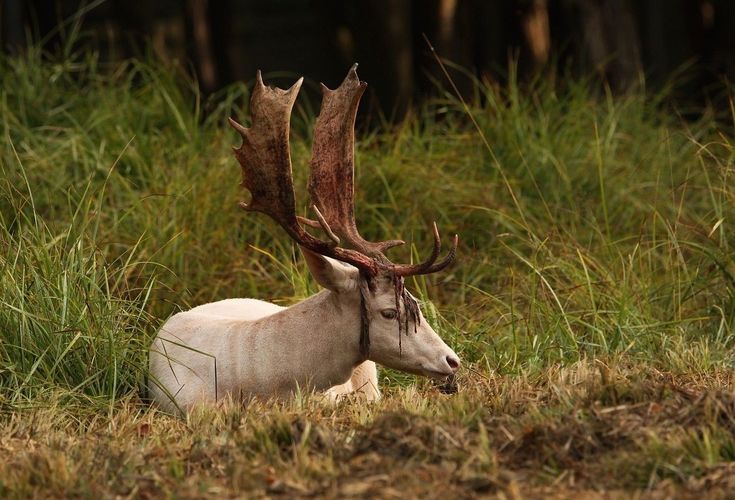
point(332, 179)
point(331, 183)
point(265, 159)
point(266, 163)
point(265, 156)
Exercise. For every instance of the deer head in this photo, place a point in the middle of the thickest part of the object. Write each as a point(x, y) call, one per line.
point(344, 261)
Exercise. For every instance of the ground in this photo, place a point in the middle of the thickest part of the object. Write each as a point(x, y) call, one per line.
point(586, 431)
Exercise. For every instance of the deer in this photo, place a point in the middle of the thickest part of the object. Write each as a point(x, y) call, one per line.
point(330, 342)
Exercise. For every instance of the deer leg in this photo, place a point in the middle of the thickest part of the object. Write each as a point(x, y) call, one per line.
point(363, 383)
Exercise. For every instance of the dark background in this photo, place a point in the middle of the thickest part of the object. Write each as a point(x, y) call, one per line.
point(623, 43)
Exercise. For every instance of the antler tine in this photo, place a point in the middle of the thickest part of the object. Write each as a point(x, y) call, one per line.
point(325, 226)
point(447, 260)
point(428, 266)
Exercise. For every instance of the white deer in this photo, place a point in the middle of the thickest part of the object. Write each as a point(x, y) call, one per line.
point(239, 348)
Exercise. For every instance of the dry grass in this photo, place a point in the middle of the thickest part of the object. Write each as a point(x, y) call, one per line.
point(589, 430)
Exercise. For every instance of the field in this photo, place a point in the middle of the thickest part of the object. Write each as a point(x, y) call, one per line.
point(592, 304)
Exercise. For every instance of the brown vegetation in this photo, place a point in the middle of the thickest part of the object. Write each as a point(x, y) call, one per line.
point(590, 430)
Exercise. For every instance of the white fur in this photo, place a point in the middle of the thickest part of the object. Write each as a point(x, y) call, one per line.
point(261, 349)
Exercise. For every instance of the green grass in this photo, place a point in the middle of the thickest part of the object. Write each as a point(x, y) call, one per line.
point(595, 232)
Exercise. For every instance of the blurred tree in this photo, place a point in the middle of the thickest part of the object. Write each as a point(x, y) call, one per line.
point(227, 40)
point(611, 42)
point(11, 20)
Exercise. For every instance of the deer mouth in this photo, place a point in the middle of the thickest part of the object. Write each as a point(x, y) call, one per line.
point(435, 374)
point(422, 371)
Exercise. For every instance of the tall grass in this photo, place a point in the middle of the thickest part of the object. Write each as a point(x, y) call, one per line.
point(72, 323)
point(591, 227)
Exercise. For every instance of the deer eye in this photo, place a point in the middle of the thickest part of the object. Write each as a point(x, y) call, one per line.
point(389, 313)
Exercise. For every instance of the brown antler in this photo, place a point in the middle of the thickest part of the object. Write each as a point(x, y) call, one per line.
point(331, 183)
point(332, 179)
point(266, 164)
point(265, 159)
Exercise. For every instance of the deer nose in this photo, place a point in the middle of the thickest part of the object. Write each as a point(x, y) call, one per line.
point(453, 362)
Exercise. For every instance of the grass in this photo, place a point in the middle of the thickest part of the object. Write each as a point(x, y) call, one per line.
point(593, 301)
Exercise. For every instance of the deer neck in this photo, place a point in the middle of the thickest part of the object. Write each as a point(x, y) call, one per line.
point(322, 336)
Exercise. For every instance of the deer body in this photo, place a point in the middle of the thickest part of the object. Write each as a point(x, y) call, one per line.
point(260, 349)
point(241, 348)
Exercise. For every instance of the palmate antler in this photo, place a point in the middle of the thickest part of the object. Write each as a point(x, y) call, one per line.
point(266, 163)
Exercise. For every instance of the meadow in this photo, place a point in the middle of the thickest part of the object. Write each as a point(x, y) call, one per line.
point(592, 302)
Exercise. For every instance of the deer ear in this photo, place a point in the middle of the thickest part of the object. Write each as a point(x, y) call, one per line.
point(330, 273)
